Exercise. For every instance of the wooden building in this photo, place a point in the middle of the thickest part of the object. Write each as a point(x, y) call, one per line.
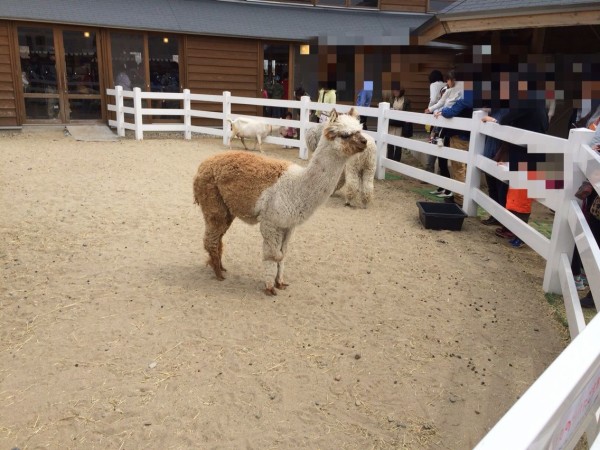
point(57, 58)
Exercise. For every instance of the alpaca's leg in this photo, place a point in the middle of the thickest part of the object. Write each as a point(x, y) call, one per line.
point(213, 243)
point(341, 181)
point(352, 186)
point(259, 140)
point(243, 143)
point(367, 189)
point(272, 254)
point(217, 219)
point(287, 235)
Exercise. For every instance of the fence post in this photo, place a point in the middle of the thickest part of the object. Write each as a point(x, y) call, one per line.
point(304, 119)
point(137, 113)
point(226, 115)
point(562, 240)
point(187, 119)
point(382, 130)
point(120, 114)
point(473, 176)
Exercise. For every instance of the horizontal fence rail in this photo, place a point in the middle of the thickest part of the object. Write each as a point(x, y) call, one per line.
point(563, 403)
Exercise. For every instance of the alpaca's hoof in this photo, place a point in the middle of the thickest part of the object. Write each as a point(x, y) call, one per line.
point(270, 291)
point(220, 277)
point(281, 286)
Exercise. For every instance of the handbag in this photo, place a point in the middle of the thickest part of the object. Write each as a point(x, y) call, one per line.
point(407, 129)
point(595, 208)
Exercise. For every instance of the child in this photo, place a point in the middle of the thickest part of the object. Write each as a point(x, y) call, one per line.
point(288, 132)
point(519, 204)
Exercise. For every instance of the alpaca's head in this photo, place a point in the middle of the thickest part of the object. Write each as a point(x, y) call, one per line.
point(345, 133)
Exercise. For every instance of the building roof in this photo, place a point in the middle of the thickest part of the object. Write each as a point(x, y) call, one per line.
point(464, 16)
point(493, 7)
point(225, 18)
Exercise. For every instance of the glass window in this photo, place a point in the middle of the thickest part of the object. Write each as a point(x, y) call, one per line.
point(363, 3)
point(85, 109)
point(331, 2)
point(276, 76)
point(128, 60)
point(164, 63)
point(42, 108)
point(163, 55)
point(81, 62)
point(38, 60)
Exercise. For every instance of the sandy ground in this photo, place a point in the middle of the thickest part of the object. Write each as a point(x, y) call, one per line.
point(114, 333)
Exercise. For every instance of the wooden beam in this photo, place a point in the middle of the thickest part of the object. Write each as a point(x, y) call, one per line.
point(554, 19)
point(432, 32)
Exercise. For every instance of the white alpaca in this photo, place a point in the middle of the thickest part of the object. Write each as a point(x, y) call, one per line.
point(278, 194)
point(359, 172)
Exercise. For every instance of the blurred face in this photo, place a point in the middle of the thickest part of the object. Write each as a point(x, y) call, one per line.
point(395, 92)
point(451, 83)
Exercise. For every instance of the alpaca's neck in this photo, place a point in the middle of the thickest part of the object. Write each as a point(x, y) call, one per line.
point(318, 181)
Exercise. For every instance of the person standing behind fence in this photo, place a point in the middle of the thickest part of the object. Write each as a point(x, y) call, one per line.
point(459, 139)
point(398, 102)
point(328, 96)
point(364, 98)
point(123, 79)
point(588, 195)
point(518, 203)
point(497, 189)
point(436, 88)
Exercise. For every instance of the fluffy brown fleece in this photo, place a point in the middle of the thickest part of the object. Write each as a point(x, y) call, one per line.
point(241, 178)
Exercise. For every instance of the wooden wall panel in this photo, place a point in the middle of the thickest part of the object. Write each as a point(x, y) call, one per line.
point(419, 6)
point(215, 64)
point(8, 104)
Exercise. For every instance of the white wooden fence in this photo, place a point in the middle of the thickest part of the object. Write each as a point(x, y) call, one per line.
point(564, 402)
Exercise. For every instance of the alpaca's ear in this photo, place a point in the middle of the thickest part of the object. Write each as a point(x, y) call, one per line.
point(333, 116)
point(353, 113)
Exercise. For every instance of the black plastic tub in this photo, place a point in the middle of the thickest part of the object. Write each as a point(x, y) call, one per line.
point(441, 216)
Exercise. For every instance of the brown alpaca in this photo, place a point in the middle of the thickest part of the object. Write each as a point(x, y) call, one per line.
point(278, 194)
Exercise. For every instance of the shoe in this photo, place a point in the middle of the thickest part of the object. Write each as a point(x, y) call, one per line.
point(587, 301)
point(490, 221)
point(503, 233)
point(584, 279)
point(437, 191)
point(517, 243)
point(445, 194)
point(579, 283)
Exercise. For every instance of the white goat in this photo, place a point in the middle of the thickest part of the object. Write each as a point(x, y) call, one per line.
point(245, 128)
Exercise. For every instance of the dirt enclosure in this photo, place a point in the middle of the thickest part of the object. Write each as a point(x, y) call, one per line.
point(115, 334)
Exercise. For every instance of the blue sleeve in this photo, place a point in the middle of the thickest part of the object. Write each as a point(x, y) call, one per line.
point(596, 139)
point(454, 110)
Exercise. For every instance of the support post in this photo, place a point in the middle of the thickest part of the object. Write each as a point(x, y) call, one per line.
point(226, 117)
point(187, 119)
point(120, 114)
point(473, 175)
point(304, 120)
point(382, 131)
point(137, 113)
point(562, 240)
